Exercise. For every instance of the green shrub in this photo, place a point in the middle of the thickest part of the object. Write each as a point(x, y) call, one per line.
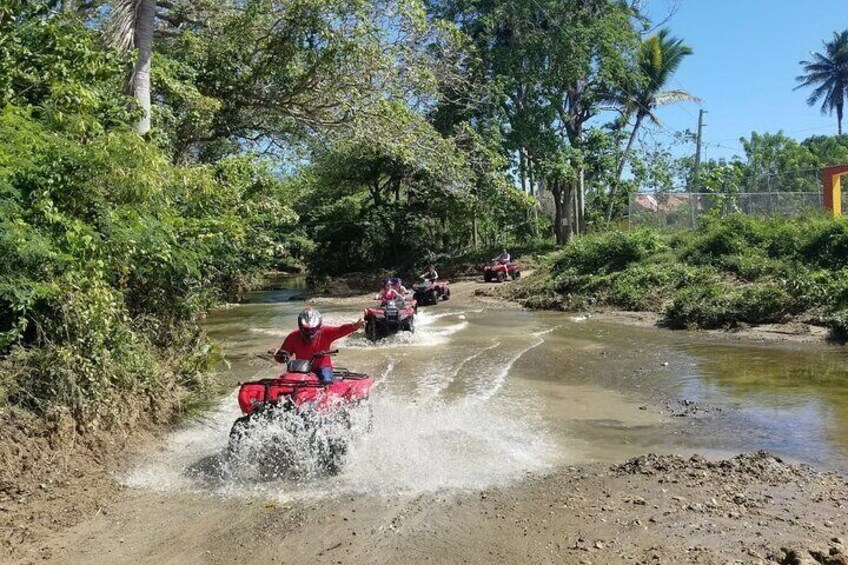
point(838, 324)
point(749, 265)
point(608, 252)
point(644, 287)
point(708, 306)
point(827, 245)
point(733, 235)
point(762, 304)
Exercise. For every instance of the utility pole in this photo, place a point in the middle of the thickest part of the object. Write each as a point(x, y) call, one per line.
point(697, 180)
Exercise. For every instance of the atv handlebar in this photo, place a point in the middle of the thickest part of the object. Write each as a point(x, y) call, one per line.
point(281, 356)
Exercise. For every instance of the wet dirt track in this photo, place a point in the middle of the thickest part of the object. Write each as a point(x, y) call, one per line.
point(487, 421)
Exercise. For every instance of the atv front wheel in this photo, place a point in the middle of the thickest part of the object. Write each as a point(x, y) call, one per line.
point(434, 297)
point(237, 433)
point(501, 276)
point(371, 329)
point(516, 275)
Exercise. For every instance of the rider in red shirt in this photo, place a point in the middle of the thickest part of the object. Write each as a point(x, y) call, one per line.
point(311, 337)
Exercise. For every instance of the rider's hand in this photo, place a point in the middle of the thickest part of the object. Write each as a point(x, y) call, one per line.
point(281, 356)
point(359, 324)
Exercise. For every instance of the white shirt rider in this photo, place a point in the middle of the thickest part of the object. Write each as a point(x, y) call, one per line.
point(431, 275)
point(503, 258)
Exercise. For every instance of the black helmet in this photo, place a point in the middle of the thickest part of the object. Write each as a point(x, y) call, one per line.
point(309, 322)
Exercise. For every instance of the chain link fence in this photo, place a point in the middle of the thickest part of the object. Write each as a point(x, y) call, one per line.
point(687, 210)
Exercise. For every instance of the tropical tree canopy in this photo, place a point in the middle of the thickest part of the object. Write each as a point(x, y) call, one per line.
point(827, 74)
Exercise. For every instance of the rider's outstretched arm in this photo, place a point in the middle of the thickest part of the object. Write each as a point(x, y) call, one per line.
point(337, 332)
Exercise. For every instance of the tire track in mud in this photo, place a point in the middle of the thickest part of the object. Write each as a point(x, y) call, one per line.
point(487, 389)
point(439, 376)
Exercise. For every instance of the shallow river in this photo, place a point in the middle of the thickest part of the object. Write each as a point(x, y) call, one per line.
point(481, 396)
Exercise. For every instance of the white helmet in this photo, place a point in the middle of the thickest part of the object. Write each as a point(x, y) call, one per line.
point(309, 322)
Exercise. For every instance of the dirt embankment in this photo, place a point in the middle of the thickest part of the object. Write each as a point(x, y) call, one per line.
point(53, 477)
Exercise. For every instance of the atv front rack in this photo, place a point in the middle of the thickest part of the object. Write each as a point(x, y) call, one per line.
point(345, 374)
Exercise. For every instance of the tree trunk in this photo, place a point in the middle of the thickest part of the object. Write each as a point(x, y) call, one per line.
point(557, 190)
point(568, 210)
point(624, 158)
point(522, 169)
point(839, 117)
point(581, 202)
point(140, 79)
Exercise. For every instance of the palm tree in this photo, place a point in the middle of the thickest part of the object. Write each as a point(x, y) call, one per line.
point(828, 74)
point(131, 26)
point(659, 57)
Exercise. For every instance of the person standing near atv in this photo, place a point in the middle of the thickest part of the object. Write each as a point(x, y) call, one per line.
point(311, 337)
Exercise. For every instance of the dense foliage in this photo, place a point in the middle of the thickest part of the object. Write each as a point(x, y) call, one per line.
point(730, 271)
point(111, 252)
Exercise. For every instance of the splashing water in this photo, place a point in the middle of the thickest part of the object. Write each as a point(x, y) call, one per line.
point(427, 334)
point(451, 430)
point(410, 449)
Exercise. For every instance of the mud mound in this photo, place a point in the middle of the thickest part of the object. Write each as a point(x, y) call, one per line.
point(747, 467)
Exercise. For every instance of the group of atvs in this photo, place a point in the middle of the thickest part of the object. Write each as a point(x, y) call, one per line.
point(398, 306)
point(317, 403)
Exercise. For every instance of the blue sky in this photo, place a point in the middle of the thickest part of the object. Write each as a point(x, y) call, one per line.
point(745, 64)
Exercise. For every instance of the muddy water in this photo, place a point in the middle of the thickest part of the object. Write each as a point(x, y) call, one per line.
point(481, 396)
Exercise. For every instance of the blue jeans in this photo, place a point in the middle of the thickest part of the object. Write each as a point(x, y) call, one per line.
point(325, 375)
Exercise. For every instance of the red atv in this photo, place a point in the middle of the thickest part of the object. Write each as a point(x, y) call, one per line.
point(429, 292)
point(499, 272)
point(391, 317)
point(295, 417)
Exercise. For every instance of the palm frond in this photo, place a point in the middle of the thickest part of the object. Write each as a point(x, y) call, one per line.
point(123, 18)
point(827, 74)
point(674, 96)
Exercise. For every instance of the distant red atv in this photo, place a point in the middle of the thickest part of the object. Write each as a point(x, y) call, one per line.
point(391, 317)
point(429, 292)
point(498, 272)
